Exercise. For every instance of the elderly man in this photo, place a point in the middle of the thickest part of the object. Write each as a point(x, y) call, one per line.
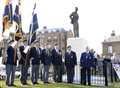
point(23, 63)
point(86, 63)
point(35, 59)
point(11, 63)
point(70, 62)
point(57, 63)
point(47, 61)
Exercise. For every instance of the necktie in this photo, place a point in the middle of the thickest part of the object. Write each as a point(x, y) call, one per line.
point(38, 51)
point(14, 55)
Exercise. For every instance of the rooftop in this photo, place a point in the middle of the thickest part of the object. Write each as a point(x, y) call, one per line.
point(50, 30)
point(113, 39)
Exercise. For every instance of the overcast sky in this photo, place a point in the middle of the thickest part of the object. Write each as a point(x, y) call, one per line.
point(97, 17)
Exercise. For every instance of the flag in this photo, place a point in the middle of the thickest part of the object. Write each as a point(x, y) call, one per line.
point(7, 16)
point(17, 17)
point(33, 27)
point(17, 20)
point(33, 37)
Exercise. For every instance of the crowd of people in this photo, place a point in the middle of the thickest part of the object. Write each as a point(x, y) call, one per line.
point(38, 57)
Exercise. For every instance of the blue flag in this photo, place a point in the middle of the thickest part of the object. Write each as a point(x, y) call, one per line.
point(17, 16)
point(33, 27)
point(7, 16)
point(17, 19)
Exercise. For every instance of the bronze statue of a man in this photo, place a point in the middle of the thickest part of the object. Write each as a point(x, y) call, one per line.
point(74, 20)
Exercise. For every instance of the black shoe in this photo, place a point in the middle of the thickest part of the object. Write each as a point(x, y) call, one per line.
point(69, 82)
point(8, 84)
point(89, 84)
point(13, 85)
point(46, 82)
point(24, 83)
point(33, 83)
point(59, 81)
point(36, 83)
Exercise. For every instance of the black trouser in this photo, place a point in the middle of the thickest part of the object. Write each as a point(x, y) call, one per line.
point(24, 72)
point(85, 73)
point(58, 73)
point(35, 73)
point(114, 75)
point(70, 73)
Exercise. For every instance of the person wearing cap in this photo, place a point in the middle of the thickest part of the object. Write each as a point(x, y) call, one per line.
point(22, 62)
point(86, 63)
point(70, 62)
point(47, 61)
point(35, 59)
point(57, 63)
point(11, 63)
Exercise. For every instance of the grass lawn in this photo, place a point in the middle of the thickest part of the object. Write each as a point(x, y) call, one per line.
point(55, 85)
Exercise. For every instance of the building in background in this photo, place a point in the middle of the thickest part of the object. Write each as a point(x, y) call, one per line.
point(111, 45)
point(53, 36)
point(49, 36)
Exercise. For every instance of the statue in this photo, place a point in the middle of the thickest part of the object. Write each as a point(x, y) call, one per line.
point(74, 20)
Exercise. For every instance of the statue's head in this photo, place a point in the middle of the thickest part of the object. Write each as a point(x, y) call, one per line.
point(76, 9)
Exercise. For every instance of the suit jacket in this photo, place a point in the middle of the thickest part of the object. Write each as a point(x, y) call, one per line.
point(70, 59)
point(10, 56)
point(74, 17)
point(86, 60)
point(46, 58)
point(35, 56)
point(23, 55)
point(57, 58)
point(0, 52)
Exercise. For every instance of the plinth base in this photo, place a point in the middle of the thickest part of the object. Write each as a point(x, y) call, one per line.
point(78, 45)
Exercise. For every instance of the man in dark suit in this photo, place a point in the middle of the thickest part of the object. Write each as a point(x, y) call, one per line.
point(23, 64)
point(11, 63)
point(47, 60)
point(86, 63)
point(35, 59)
point(57, 63)
point(41, 63)
point(70, 62)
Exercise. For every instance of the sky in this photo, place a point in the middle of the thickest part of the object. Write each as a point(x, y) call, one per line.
point(97, 18)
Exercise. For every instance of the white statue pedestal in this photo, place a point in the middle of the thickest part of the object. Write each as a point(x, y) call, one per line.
point(78, 45)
